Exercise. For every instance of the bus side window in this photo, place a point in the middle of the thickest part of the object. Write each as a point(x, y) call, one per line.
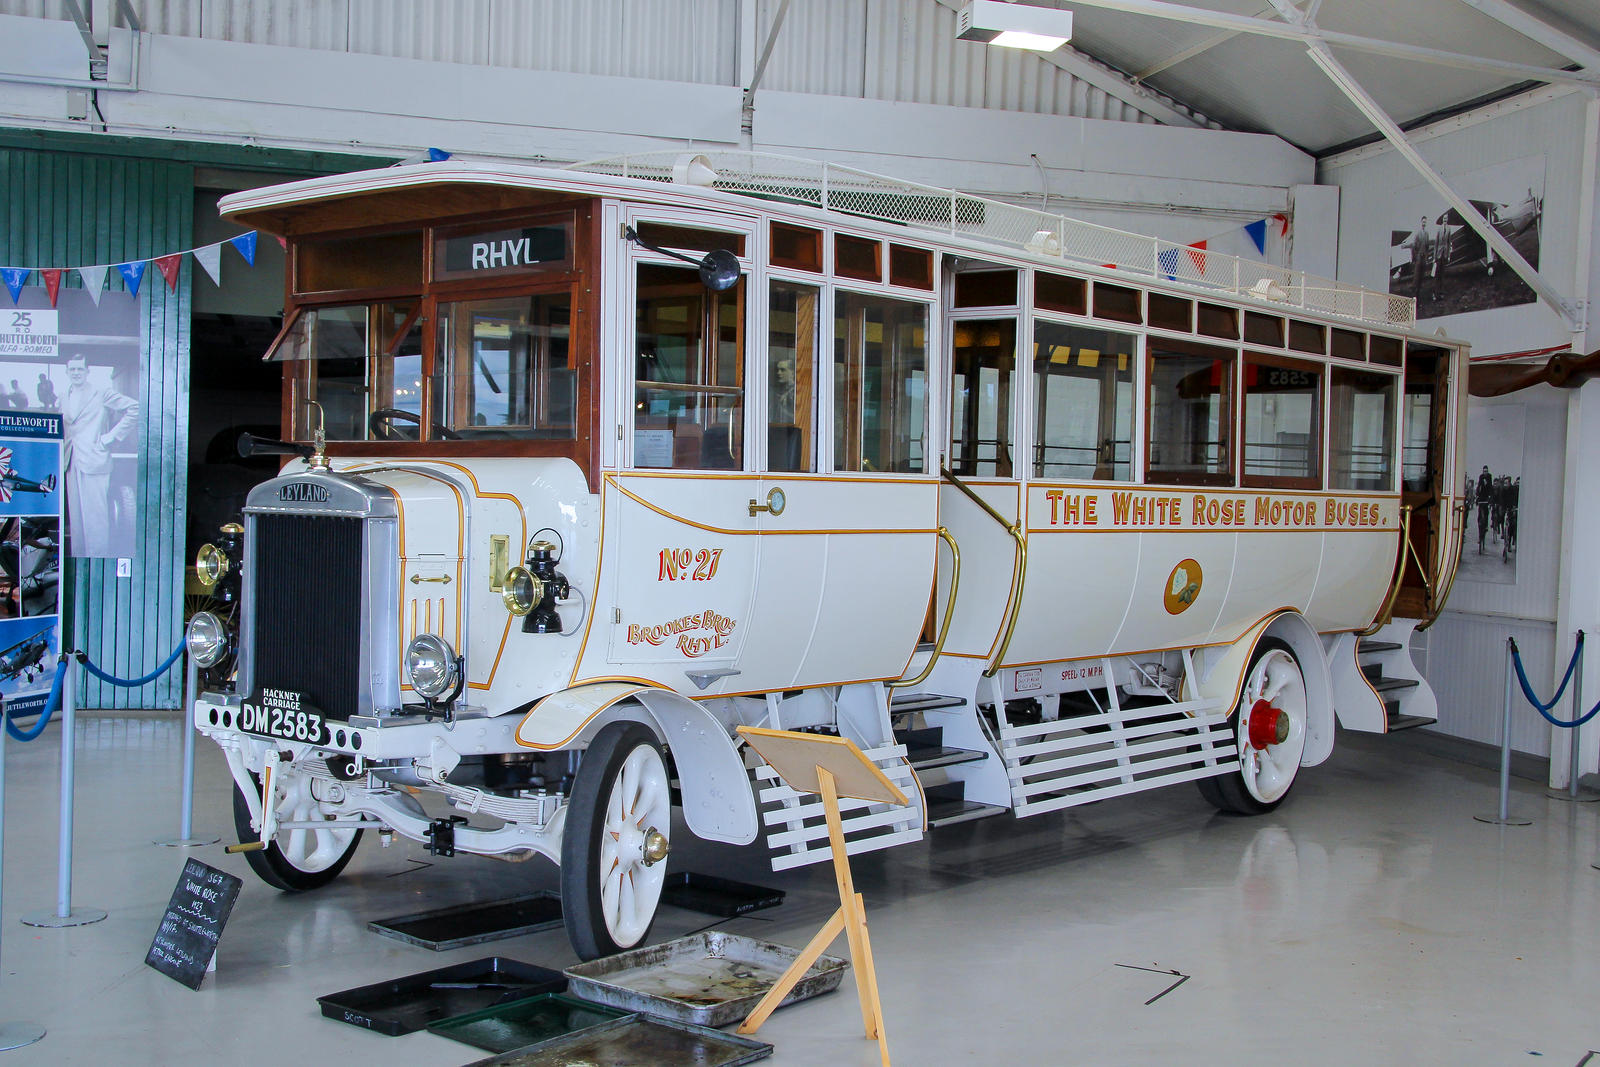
point(688, 372)
point(880, 377)
point(1282, 422)
point(983, 358)
point(791, 377)
point(1083, 402)
point(504, 368)
point(1191, 413)
point(1361, 430)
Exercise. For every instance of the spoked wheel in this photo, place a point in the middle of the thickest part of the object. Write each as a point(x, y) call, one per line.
point(299, 859)
point(1270, 727)
point(614, 845)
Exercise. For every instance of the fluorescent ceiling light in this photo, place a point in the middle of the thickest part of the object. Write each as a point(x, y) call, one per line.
point(1041, 29)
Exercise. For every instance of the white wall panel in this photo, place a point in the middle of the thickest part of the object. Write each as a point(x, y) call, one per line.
point(1466, 668)
point(449, 31)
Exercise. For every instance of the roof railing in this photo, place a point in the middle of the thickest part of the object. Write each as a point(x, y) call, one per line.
point(833, 187)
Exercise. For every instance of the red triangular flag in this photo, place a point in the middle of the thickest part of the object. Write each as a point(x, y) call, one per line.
point(283, 244)
point(1283, 223)
point(1197, 253)
point(52, 282)
point(168, 266)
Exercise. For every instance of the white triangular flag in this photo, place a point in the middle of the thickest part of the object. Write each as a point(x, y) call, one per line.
point(94, 281)
point(210, 257)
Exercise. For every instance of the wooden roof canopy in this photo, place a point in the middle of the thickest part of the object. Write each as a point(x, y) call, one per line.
point(396, 208)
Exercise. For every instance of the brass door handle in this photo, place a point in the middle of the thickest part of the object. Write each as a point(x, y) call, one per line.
point(443, 579)
point(775, 504)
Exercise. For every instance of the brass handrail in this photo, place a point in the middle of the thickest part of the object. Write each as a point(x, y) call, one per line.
point(949, 611)
point(1383, 616)
point(1436, 608)
point(1019, 567)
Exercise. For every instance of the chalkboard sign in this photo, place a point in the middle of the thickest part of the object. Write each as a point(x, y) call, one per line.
point(187, 937)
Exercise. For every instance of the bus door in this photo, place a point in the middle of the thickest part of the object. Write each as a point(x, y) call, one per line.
point(984, 502)
point(680, 543)
point(847, 506)
point(1428, 479)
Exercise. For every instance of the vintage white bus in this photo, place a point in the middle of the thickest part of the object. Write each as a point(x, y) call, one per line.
point(600, 463)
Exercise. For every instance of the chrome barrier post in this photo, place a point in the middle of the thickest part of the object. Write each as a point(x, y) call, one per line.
point(1505, 818)
point(64, 916)
point(12, 1035)
point(191, 690)
point(1572, 792)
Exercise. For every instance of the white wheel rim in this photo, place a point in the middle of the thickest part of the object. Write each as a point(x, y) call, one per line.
point(306, 850)
point(640, 801)
point(1275, 683)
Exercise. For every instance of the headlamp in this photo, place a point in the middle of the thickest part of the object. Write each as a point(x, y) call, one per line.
point(432, 666)
point(206, 639)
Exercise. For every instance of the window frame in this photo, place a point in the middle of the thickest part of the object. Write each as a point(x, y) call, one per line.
point(1227, 419)
point(1319, 428)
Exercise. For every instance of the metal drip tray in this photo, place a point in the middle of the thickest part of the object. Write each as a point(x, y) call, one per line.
point(709, 979)
point(636, 1041)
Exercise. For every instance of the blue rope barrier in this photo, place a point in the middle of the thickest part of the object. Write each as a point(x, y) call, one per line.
point(130, 683)
point(1542, 708)
point(50, 706)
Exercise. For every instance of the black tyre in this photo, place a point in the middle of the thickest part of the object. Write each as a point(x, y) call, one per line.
point(613, 845)
point(295, 860)
point(1269, 728)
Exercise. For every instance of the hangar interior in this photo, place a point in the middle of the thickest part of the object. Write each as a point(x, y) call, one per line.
point(1445, 153)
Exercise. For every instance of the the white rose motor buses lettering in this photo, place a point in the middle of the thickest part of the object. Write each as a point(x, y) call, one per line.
point(689, 565)
point(1205, 511)
point(685, 630)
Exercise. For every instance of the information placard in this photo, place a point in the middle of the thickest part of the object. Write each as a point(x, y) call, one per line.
point(187, 937)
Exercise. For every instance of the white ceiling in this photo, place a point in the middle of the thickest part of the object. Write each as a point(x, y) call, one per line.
point(1257, 83)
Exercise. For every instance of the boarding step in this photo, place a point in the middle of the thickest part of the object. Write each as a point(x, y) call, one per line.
point(911, 703)
point(1399, 722)
point(1372, 648)
point(925, 749)
point(948, 805)
point(1392, 685)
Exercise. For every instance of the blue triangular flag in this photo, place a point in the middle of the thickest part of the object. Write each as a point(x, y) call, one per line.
point(1169, 263)
point(1258, 234)
point(16, 278)
point(437, 155)
point(132, 274)
point(246, 244)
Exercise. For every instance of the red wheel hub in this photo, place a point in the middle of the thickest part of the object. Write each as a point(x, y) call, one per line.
point(1268, 725)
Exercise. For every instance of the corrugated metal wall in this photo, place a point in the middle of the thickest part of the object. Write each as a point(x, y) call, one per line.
point(65, 209)
point(900, 50)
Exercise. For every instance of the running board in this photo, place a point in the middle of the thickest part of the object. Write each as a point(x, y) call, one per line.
point(797, 830)
point(1066, 762)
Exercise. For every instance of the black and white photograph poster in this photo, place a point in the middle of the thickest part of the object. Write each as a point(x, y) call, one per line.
point(1493, 484)
point(81, 358)
point(1445, 264)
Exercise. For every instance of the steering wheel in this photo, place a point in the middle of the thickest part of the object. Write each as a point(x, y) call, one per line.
point(382, 424)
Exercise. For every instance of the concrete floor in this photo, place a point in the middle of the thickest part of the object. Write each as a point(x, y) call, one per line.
point(1369, 920)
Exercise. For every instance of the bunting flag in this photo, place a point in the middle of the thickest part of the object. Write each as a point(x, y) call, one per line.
point(245, 243)
point(131, 272)
point(94, 281)
point(16, 278)
point(132, 275)
point(168, 266)
point(1258, 234)
point(1169, 263)
point(1197, 256)
point(210, 258)
point(283, 244)
point(1283, 223)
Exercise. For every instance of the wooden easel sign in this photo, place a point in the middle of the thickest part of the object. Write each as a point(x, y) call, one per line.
point(831, 767)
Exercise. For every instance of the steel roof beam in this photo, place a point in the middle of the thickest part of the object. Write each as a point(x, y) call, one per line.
point(1539, 31)
point(1469, 214)
point(1297, 31)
